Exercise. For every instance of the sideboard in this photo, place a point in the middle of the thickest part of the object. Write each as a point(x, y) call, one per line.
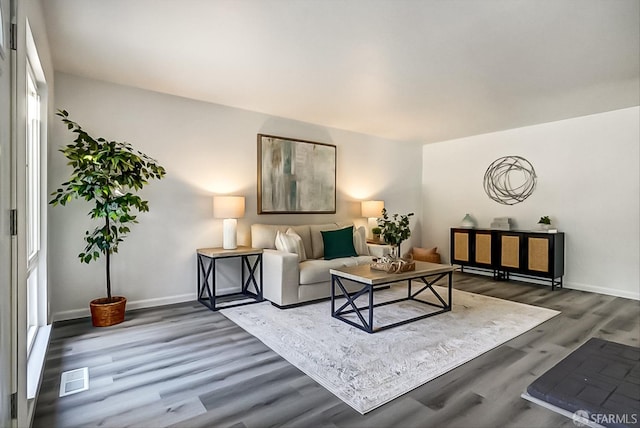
point(538, 255)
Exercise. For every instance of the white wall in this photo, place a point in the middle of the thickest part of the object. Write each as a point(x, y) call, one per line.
point(588, 183)
point(207, 149)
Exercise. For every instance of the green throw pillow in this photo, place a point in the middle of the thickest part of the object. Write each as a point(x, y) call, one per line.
point(338, 243)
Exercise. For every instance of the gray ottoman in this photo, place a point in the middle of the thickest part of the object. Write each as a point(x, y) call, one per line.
point(601, 378)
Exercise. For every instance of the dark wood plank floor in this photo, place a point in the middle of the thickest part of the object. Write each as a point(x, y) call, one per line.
point(185, 366)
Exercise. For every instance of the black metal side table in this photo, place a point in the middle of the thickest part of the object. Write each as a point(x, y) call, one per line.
point(251, 287)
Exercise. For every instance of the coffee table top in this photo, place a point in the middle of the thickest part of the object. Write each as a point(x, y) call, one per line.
point(365, 275)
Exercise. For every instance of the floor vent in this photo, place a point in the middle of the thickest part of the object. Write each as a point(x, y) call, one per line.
point(74, 381)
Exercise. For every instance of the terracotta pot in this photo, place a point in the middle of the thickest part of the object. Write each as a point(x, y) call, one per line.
point(106, 312)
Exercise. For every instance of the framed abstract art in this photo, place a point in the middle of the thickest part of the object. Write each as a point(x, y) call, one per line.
point(295, 176)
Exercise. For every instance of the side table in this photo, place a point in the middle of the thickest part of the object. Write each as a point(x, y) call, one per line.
point(251, 287)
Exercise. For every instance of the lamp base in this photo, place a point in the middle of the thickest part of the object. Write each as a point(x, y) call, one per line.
point(229, 234)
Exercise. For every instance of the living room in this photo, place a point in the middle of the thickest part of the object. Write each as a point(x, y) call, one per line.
point(585, 152)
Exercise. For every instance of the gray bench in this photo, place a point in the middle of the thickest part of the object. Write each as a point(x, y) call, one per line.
point(601, 378)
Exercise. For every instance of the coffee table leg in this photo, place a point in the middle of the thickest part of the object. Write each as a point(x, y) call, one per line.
point(450, 287)
point(333, 295)
point(370, 327)
point(351, 302)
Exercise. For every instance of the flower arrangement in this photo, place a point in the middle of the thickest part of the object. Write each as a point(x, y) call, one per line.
point(395, 229)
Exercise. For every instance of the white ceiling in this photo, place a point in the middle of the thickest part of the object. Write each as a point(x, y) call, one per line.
point(406, 70)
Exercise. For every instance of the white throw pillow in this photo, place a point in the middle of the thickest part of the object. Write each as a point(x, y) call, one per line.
point(300, 251)
point(360, 241)
point(290, 242)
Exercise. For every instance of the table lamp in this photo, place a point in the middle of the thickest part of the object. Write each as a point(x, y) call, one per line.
point(229, 208)
point(372, 210)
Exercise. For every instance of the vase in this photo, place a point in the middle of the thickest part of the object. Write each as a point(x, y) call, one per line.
point(467, 222)
point(394, 253)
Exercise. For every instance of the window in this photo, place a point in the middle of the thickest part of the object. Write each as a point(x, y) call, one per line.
point(33, 205)
point(33, 166)
point(34, 308)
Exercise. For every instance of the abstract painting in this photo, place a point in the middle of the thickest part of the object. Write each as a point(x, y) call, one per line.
point(295, 176)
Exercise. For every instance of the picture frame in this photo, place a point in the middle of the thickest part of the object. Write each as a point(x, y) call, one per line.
point(296, 176)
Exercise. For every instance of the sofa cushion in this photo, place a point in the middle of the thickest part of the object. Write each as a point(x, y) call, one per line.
point(290, 242)
point(360, 241)
point(317, 245)
point(338, 243)
point(314, 271)
point(304, 233)
point(300, 250)
point(264, 235)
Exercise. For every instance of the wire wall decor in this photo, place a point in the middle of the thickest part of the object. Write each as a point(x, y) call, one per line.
point(510, 180)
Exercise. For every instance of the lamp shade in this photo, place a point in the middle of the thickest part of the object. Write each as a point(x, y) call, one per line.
point(372, 208)
point(228, 206)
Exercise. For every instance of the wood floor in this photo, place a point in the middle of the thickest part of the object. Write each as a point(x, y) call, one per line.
point(185, 366)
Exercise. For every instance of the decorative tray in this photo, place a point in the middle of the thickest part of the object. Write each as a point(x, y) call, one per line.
point(393, 265)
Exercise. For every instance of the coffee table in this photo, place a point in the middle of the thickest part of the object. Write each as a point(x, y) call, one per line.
point(426, 273)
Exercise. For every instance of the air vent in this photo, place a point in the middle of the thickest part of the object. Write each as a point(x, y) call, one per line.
point(74, 381)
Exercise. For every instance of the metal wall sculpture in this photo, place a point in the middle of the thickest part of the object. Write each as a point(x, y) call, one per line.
point(510, 180)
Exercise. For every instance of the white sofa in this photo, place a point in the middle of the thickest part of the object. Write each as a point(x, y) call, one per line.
point(289, 282)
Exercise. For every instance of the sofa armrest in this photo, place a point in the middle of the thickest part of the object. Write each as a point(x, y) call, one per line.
point(379, 250)
point(281, 277)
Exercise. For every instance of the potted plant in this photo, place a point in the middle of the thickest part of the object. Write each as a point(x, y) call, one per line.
point(544, 222)
point(395, 229)
point(376, 231)
point(105, 173)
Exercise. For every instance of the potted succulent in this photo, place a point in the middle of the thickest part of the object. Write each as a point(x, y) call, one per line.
point(105, 173)
point(544, 222)
point(376, 231)
point(395, 229)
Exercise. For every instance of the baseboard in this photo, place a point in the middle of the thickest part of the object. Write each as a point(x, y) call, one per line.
point(566, 284)
point(135, 304)
point(601, 290)
point(139, 304)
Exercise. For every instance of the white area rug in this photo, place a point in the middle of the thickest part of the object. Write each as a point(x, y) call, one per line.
point(368, 370)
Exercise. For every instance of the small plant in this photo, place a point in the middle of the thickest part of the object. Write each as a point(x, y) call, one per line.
point(395, 229)
point(544, 220)
point(376, 231)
